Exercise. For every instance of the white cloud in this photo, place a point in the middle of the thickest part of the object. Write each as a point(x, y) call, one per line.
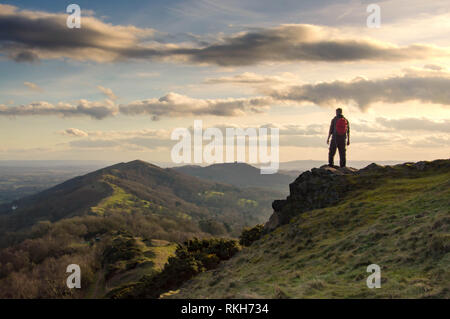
point(95, 110)
point(107, 92)
point(33, 86)
point(423, 86)
point(74, 132)
point(34, 35)
point(254, 79)
point(178, 105)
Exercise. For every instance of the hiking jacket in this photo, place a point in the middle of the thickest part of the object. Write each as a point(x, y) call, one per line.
point(332, 130)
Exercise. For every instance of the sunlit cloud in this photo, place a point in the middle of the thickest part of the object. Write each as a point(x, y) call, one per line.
point(107, 92)
point(250, 78)
point(35, 35)
point(426, 85)
point(177, 105)
point(431, 87)
point(95, 110)
point(415, 124)
point(27, 36)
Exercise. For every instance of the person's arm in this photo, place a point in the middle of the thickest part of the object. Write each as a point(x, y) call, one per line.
point(330, 132)
point(348, 132)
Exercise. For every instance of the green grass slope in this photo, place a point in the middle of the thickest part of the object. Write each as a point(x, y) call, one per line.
point(396, 217)
point(126, 259)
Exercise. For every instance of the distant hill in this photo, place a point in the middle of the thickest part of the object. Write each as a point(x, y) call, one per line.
point(20, 181)
point(122, 225)
point(118, 223)
point(140, 187)
point(334, 224)
point(238, 174)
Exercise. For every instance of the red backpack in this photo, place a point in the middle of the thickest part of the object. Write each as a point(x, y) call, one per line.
point(341, 126)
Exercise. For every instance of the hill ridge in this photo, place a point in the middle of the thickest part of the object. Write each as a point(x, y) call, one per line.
point(175, 191)
point(238, 174)
point(394, 216)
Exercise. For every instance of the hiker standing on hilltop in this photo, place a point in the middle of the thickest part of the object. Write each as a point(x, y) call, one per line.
point(340, 131)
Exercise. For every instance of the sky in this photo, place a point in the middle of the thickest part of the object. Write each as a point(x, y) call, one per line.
point(116, 88)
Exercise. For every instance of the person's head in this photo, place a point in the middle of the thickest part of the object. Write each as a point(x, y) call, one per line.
point(338, 111)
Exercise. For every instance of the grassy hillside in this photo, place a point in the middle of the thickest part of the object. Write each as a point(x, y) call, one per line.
point(126, 259)
point(396, 217)
point(171, 199)
point(126, 207)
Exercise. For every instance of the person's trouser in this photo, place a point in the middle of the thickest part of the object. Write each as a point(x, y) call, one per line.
point(339, 143)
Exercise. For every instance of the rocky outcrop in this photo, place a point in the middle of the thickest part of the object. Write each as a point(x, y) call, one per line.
point(318, 188)
point(326, 186)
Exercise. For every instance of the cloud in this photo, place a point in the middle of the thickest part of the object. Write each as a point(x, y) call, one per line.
point(314, 135)
point(107, 92)
point(291, 135)
point(172, 104)
point(150, 143)
point(433, 67)
point(253, 78)
point(93, 144)
point(415, 124)
point(428, 70)
point(363, 126)
point(74, 132)
point(28, 36)
point(96, 110)
point(33, 86)
point(363, 93)
point(130, 140)
point(431, 142)
point(294, 129)
point(135, 143)
point(23, 55)
point(289, 43)
point(423, 85)
point(160, 133)
point(133, 133)
point(319, 141)
point(177, 105)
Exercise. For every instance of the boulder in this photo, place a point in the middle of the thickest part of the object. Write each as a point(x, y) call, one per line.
point(317, 188)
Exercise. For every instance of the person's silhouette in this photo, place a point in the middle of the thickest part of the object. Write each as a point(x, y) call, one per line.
point(340, 132)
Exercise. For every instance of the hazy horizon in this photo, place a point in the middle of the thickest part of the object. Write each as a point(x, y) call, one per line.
point(101, 164)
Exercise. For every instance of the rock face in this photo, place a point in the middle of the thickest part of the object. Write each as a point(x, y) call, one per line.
point(318, 188)
point(326, 186)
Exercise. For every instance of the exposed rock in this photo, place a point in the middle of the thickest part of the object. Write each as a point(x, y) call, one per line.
point(273, 221)
point(313, 189)
point(425, 165)
point(326, 186)
point(371, 168)
point(420, 165)
point(337, 170)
